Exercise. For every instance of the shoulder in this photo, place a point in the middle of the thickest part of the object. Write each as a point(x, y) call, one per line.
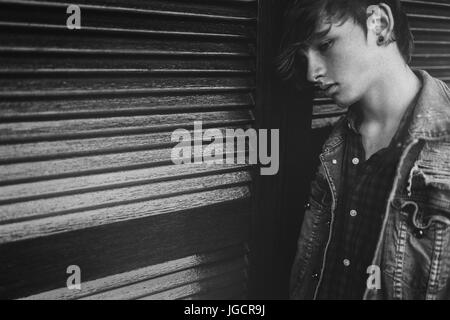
point(445, 90)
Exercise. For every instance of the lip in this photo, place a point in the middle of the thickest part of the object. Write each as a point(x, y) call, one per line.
point(330, 89)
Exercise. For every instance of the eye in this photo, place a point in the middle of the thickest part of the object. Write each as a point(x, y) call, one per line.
point(324, 46)
point(301, 56)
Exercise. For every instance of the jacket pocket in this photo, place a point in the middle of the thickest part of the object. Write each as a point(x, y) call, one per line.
point(422, 243)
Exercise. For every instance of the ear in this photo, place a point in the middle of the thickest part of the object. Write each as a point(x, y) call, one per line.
point(380, 22)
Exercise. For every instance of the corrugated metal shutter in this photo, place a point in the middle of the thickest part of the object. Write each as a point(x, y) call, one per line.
point(85, 126)
point(430, 25)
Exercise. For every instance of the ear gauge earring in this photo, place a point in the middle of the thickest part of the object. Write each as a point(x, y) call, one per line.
point(380, 40)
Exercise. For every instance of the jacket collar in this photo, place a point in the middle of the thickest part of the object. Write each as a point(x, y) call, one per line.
point(430, 120)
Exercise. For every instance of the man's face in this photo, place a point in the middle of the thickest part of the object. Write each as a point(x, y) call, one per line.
point(343, 62)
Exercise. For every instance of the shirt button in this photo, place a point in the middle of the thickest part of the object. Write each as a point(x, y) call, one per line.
point(355, 161)
point(334, 161)
point(353, 213)
point(346, 262)
point(419, 233)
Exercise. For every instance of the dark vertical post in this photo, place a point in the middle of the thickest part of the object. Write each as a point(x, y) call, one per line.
point(278, 200)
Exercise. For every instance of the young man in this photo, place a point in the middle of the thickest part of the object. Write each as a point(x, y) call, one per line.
point(377, 225)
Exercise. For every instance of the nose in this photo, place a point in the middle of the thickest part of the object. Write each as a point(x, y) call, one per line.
point(316, 66)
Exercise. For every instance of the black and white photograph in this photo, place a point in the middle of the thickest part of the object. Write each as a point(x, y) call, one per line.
point(235, 151)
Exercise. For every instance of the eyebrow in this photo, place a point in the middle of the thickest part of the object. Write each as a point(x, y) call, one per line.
point(319, 35)
point(315, 37)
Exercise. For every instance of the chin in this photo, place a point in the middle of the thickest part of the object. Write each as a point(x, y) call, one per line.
point(343, 103)
point(344, 99)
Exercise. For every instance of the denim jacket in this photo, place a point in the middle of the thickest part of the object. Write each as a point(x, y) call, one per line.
point(412, 257)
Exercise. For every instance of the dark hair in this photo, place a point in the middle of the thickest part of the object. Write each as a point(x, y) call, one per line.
point(303, 16)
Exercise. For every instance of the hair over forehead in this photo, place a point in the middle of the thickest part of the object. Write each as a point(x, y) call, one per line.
point(304, 17)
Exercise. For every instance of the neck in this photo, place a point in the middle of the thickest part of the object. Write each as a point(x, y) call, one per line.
point(390, 95)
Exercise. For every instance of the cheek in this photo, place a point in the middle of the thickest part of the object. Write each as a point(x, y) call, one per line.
point(343, 66)
point(353, 73)
point(353, 69)
point(353, 59)
point(358, 65)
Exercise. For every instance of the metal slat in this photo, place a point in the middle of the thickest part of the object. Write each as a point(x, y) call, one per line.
point(127, 211)
point(112, 180)
point(119, 72)
point(159, 288)
point(58, 206)
point(119, 52)
point(211, 7)
point(120, 92)
point(143, 274)
point(16, 111)
point(123, 10)
point(125, 32)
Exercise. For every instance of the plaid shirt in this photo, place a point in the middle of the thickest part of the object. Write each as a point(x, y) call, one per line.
point(359, 215)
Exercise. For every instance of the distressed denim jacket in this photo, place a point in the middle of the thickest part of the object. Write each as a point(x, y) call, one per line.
point(413, 249)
